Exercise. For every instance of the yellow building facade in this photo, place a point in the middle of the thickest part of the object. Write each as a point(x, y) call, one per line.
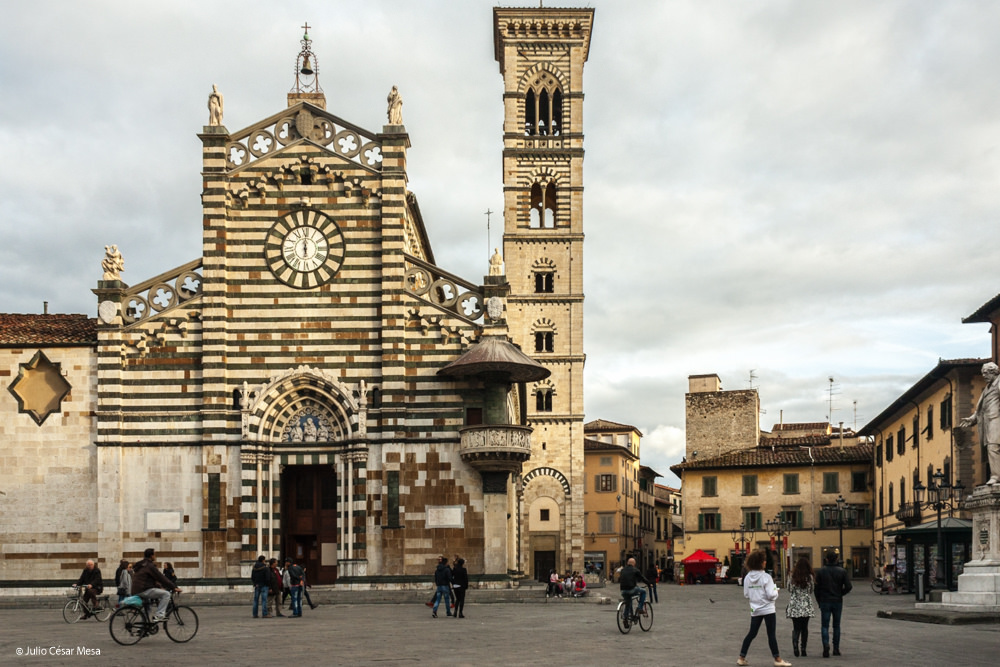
point(796, 474)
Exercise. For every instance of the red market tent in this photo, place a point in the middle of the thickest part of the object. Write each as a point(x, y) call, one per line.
point(699, 564)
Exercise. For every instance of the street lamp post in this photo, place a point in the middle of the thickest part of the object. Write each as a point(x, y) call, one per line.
point(939, 496)
point(742, 537)
point(841, 513)
point(779, 529)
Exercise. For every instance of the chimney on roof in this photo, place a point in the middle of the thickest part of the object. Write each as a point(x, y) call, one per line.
point(701, 384)
point(45, 307)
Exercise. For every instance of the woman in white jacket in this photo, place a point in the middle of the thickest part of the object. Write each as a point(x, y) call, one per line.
point(759, 588)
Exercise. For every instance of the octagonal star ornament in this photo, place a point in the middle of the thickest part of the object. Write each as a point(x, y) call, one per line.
point(39, 387)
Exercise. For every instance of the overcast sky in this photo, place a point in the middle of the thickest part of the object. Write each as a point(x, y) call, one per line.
point(805, 189)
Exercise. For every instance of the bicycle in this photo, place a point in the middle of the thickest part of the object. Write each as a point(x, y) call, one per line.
point(130, 624)
point(78, 607)
point(628, 617)
point(883, 585)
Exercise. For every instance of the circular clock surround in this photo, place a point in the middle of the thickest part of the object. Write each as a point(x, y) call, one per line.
point(304, 249)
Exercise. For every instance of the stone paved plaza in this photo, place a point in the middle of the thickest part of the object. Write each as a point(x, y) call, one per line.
point(689, 629)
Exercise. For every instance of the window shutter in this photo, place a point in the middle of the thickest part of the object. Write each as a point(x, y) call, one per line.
point(798, 519)
point(759, 519)
point(614, 483)
point(701, 522)
point(822, 519)
point(718, 521)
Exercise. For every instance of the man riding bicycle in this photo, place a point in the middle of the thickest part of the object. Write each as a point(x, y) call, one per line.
point(145, 577)
point(629, 582)
point(92, 583)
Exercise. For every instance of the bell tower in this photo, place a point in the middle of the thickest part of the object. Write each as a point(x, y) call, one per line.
point(541, 52)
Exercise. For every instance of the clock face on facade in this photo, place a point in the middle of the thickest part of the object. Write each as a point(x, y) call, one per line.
point(304, 249)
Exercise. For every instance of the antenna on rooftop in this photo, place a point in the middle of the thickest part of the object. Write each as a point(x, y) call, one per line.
point(753, 376)
point(833, 390)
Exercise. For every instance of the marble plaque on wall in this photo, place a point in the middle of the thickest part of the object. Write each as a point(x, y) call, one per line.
point(446, 516)
point(164, 520)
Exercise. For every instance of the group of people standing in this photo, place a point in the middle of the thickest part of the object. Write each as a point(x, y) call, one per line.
point(828, 585)
point(450, 585)
point(273, 585)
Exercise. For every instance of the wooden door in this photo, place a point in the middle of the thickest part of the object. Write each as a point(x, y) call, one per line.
point(309, 520)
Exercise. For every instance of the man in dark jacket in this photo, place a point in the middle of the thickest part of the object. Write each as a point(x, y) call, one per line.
point(629, 580)
point(92, 582)
point(146, 582)
point(442, 579)
point(260, 576)
point(832, 584)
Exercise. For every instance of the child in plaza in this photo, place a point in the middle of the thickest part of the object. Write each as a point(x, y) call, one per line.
point(759, 588)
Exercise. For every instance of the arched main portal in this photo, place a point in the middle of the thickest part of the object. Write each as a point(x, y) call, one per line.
point(305, 431)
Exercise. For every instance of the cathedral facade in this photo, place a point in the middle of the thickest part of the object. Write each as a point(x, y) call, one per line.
point(314, 385)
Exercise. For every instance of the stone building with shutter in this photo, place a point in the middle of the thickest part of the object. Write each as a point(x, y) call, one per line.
point(314, 384)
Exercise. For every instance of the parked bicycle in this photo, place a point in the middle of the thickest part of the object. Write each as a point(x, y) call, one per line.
point(130, 624)
point(628, 615)
point(883, 585)
point(78, 607)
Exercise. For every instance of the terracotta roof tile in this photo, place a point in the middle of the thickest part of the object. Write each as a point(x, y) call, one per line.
point(599, 425)
point(17, 330)
point(766, 457)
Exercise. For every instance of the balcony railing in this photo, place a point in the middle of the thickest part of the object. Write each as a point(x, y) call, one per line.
point(909, 514)
point(496, 446)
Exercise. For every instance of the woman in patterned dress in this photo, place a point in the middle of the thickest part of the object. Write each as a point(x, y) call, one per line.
point(800, 607)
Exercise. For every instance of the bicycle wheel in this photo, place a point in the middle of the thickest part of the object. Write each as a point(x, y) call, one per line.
point(104, 609)
point(624, 615)
point(181, 624)
point(73, 611)
point(127, 626)
point(646, 622)
point(877, 585)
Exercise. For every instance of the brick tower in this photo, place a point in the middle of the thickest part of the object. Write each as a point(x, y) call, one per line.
point(541, 54)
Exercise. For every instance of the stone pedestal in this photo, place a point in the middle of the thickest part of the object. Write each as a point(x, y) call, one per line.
point(979, 584)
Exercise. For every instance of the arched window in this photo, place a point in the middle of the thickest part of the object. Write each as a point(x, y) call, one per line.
point(543, 109)
point(543, 206)
point(543, 400)
point(545, 341)
point(530, 113)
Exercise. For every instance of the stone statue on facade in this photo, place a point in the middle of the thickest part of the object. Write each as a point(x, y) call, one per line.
point(987, 416)
point(496, 263)
point(215, 107)
point(113, 264)
point(395, 111)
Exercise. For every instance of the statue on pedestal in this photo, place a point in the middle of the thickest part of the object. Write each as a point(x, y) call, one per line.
point(395, 111)
point(987, 416)
point(496, 263)
point(113, 264)
point(215, 107)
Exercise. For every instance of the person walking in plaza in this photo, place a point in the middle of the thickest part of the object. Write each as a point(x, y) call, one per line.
point(305, 588)
point(460, 577)
point(759, 588)
point(274, 580)
point(294, 575)
point(800, 607)
point(832, 584)
point(653, 575)
point(123, 581)
point(260, 577)
point(442, 580)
